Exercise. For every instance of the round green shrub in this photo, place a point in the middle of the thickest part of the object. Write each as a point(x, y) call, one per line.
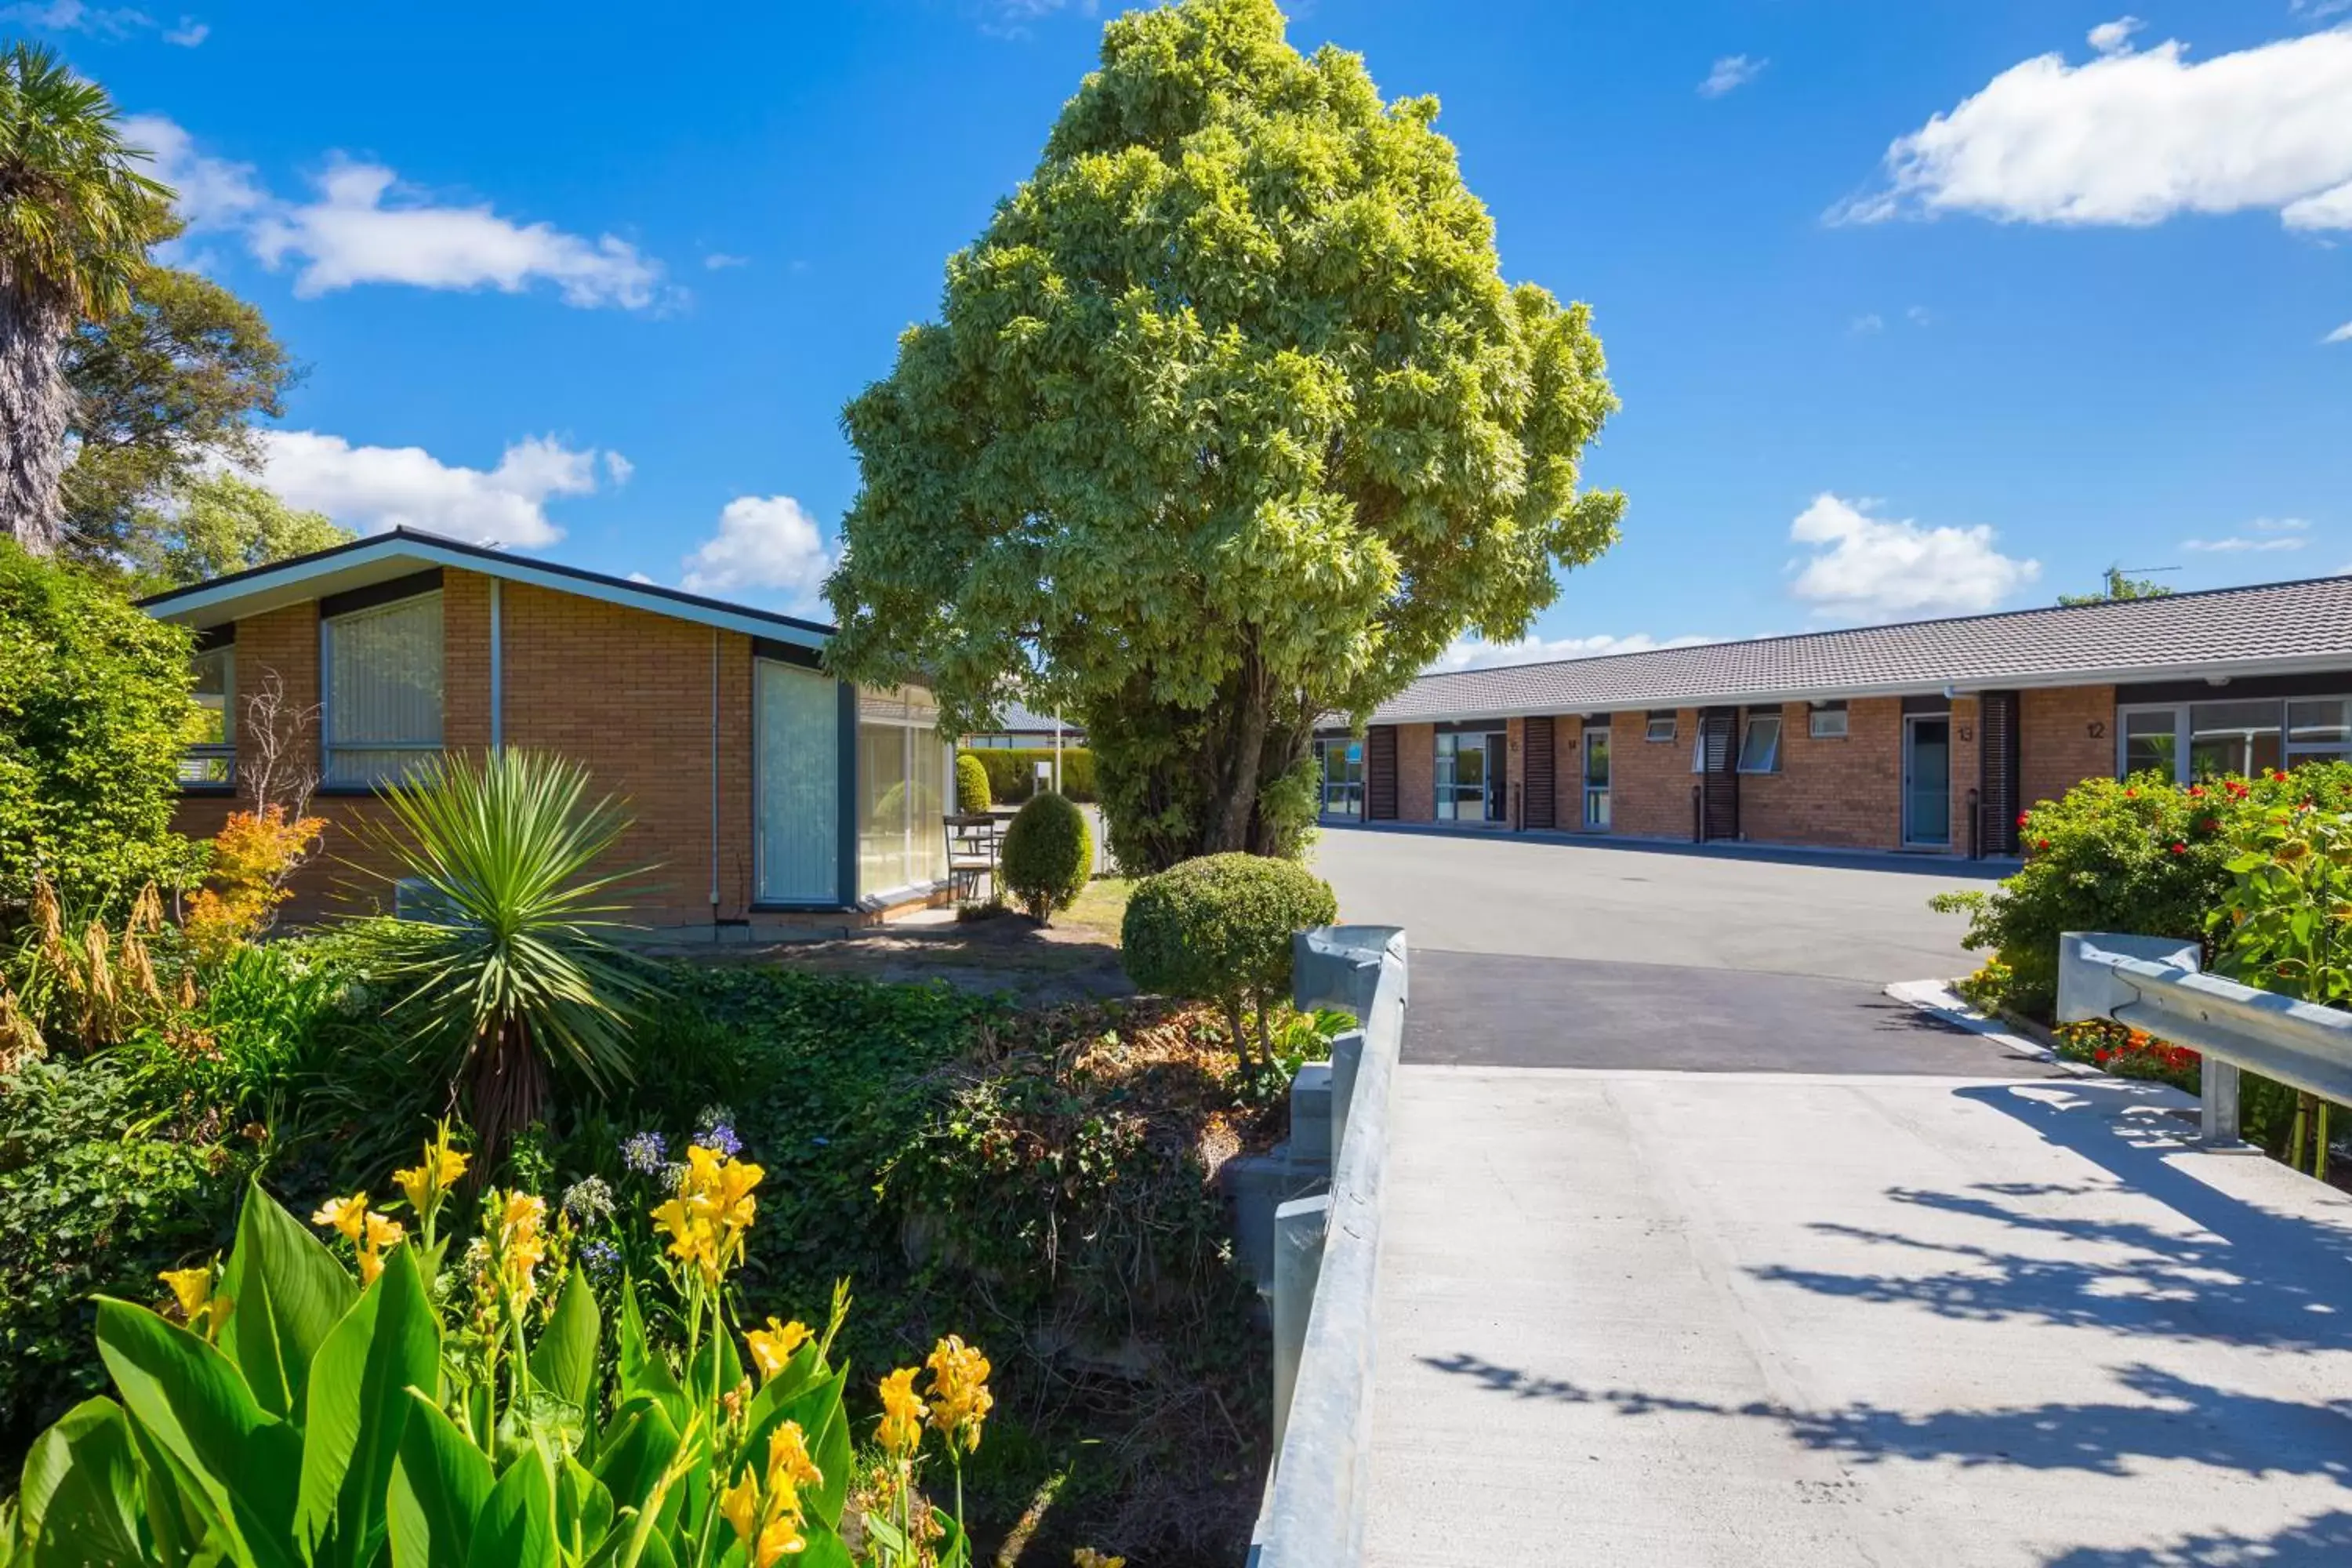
point(1218, 929)
point(973, 795)
point(1049, 853)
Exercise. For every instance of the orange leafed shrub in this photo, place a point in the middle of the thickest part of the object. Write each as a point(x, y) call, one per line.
point(252, 857)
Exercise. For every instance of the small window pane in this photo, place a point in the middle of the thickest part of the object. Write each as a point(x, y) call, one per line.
point(1828, 722)
point(211, 757)
point(2327, 722)
point(1661, 727)
point(2233, 738)
point(2150, 744)
point(1759, 750)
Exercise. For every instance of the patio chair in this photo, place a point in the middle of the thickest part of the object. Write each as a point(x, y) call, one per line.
point(974, 841)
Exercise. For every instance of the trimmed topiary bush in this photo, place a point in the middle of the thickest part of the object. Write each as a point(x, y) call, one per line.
point(973, 795)
point(1049, 853)
point(1218, 929)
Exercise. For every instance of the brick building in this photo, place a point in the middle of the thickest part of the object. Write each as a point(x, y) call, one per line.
point(1929, 736)
point(761, 789)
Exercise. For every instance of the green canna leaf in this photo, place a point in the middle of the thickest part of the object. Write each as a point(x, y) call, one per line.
point(356, 1406)
point(190, 1399)
point(288, 1293)
point(565, 1360)
point(439, 1483)
point(516, 1525)
point(81, 1503)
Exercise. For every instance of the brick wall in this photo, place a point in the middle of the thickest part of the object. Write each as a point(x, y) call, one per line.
point(2065, 735)
point(1968, 748)
point(1650, 781)
point(1416, 773)
point(626, 690)
point(1842, 793)
point(1515, 774)
point(1568, 771)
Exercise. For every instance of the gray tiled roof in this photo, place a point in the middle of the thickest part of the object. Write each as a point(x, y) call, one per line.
point(2274, 626)
point(1015, 719)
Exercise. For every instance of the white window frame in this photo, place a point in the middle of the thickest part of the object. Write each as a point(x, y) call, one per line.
point(1826, 721)
point(1748, 738)
point(2183, 733)
point(194, 762)
point(328, 746)
point(1650, 722)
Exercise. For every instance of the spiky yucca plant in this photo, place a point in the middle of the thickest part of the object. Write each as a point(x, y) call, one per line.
point(519, 963)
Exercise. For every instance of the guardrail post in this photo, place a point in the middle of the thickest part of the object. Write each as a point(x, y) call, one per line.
point(1299, 1228)
point(1347, 1055)
point(2218, 1102)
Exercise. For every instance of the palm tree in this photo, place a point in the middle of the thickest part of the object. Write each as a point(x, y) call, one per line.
point(516, 960)
point(76, 218)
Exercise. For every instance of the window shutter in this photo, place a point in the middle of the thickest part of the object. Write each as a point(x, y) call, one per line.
point(1381, 774)
point(1999, 793)
point(1718, 743)
point(1540, 769)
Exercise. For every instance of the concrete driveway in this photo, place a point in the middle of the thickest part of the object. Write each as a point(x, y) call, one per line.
point(1691, 1259)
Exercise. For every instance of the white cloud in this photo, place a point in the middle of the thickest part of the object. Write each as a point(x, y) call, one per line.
point(2342, 334)
point(102, 21)
point(376, 488)
point(767, 543)
point(1474, 653)
point(2262, 534)
point(1729, 74)
point(1921, 316)
point(720, 260)
point(618, 469)
point(2111, 37)
point(1869, 568)
point(363, 225)
point(641, 577)
point(1869, 323)
point(2136, 137)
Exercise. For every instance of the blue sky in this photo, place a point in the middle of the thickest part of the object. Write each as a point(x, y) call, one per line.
point(599, 284)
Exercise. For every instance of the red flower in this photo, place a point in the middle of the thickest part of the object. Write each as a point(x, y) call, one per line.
point(2042, 843)
point(2131, 795)
point(2179, 848)
point(2021, 816)
point(2210, 825)
point(2196, 792)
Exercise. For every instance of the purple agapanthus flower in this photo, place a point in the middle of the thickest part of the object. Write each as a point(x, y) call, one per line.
point(717, 1132)
point(600, 1257)
point(646, 1152)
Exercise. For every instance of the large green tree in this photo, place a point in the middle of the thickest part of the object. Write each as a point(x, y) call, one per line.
point(1229, 423)
point(76, 216)
point(212, 524)
point(165, 391)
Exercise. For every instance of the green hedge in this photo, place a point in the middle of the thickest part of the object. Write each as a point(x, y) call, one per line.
point(973, 793)
point(1012, 771)
point(1049, 856)
point(1218, 929)
point(2141, 854)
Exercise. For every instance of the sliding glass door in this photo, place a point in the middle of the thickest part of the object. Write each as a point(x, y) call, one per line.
point(1469, 777)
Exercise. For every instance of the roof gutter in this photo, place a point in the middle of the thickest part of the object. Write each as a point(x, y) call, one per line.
point(2206, 670)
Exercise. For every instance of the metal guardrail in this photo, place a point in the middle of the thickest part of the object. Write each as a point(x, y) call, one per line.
point(2154, 984)
point(1326, 1264)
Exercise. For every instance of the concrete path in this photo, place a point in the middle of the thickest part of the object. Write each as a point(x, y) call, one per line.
point(1707, 1262)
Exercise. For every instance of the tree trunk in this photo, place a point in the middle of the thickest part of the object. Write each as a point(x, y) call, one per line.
point(35, 402)
point(1238, 797)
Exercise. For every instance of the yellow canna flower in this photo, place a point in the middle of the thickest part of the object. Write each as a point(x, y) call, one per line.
point(901, 1428)
point(348, 1216)
point(779, 1537)
point(739, 1505)
point(191, 1288)
point(773, 1346)
point(384, 1231)
point(1087, 1557)
point(371, 1267)
point(789, 1464)
point(960, 1397)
